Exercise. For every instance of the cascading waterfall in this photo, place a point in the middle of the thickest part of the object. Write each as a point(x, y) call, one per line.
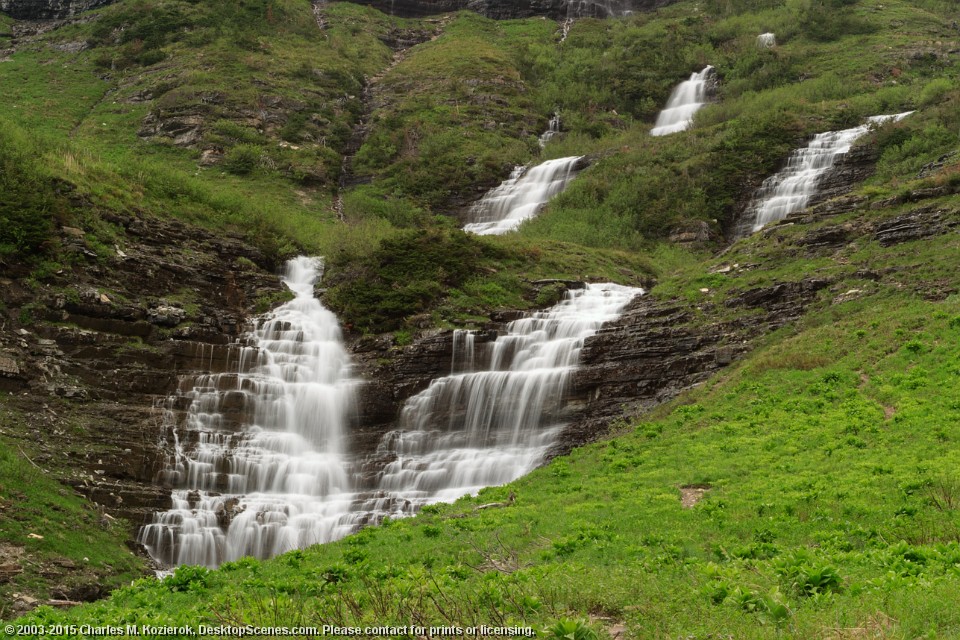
point(766, 41)
point(260, 461)
point(553, 128)
point(520, 197)
point(496, 415)
point(259, 465)
point(598, 8)
point(686, 99)
point(790, 189)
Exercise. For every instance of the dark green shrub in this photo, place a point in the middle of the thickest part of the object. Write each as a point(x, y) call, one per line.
point(242, 159)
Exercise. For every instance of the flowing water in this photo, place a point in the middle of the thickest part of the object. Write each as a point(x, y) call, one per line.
point(598, 8)
point(520, 197)
point(259, 462)
point(502, 407)
point(553, 128)
point(687, 98)
point(790, 189)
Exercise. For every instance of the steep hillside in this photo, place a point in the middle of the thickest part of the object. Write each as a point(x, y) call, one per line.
point(158, 161)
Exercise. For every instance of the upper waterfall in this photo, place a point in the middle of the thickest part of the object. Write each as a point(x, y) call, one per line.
point(791, 188)
point(520, 197)
point(686, 99)
point(259, 466)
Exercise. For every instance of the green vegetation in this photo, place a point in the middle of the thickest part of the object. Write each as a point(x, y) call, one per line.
point(828, 498)
point(819, 472)
point(50, 531)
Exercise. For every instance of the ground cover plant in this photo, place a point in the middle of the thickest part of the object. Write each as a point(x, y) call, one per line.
point(809, 491)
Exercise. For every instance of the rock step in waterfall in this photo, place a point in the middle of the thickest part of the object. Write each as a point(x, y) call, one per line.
point(790, 189)
point(261, 461)
point(521, 196)
point(686, 99)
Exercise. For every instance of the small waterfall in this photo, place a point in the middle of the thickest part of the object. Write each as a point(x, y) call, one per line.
point(766, 41)
point(790, 189)
point(520, 197)
point(259, 465)
point(553, 128)
point(686, 100)
point(598, 8)
point(496, 415)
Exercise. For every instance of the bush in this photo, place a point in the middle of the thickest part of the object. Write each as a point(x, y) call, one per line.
point(242, 159)
point(28, 200)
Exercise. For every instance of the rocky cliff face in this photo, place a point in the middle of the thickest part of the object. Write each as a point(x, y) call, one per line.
point(48, 9)
point(508, 9)
point(88, 353)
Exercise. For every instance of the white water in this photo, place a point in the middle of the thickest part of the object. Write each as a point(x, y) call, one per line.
point(766, 41)
point(261, 461)
point(496, 415)
point(687, 98)
point(520, 197)
point(553, 128)
point(259, 465)
point(790, 189)
point(598, 8)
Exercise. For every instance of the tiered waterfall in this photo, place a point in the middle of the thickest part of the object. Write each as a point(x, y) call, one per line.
point(259, 463)
point(686, 99)
point(520, 197)
point(790, 189)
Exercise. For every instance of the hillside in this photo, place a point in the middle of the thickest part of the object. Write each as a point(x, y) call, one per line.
point(771, 424)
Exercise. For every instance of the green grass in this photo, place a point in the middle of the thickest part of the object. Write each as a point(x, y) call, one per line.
point(52, 530)
point(832, 503)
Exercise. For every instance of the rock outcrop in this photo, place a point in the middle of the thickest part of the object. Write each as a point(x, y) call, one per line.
point(48, 9)
point(510, 9)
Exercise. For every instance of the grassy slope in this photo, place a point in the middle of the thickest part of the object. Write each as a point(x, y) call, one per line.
point(71, 536)
point(825, 449)
point(832, 504)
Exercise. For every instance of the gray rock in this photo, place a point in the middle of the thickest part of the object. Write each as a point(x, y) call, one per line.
point(166, 316)
point(48, 9)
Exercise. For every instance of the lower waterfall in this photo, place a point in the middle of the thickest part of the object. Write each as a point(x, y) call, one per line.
point(502, 407)
point(790, 189)
point(520, 197)
point(261, 462)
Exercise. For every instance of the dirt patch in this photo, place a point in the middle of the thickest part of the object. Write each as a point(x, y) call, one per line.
point(10, 558)
point(879, 626)
point(888, 412)
point(691, 494)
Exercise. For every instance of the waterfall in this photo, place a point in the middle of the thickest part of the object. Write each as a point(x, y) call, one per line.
point(520, 197)
point(686, 100)
point(259, 461)
point(766, 41)
point(553, 128)
point(598, 8)
point(502, 407)
point(790, 189)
